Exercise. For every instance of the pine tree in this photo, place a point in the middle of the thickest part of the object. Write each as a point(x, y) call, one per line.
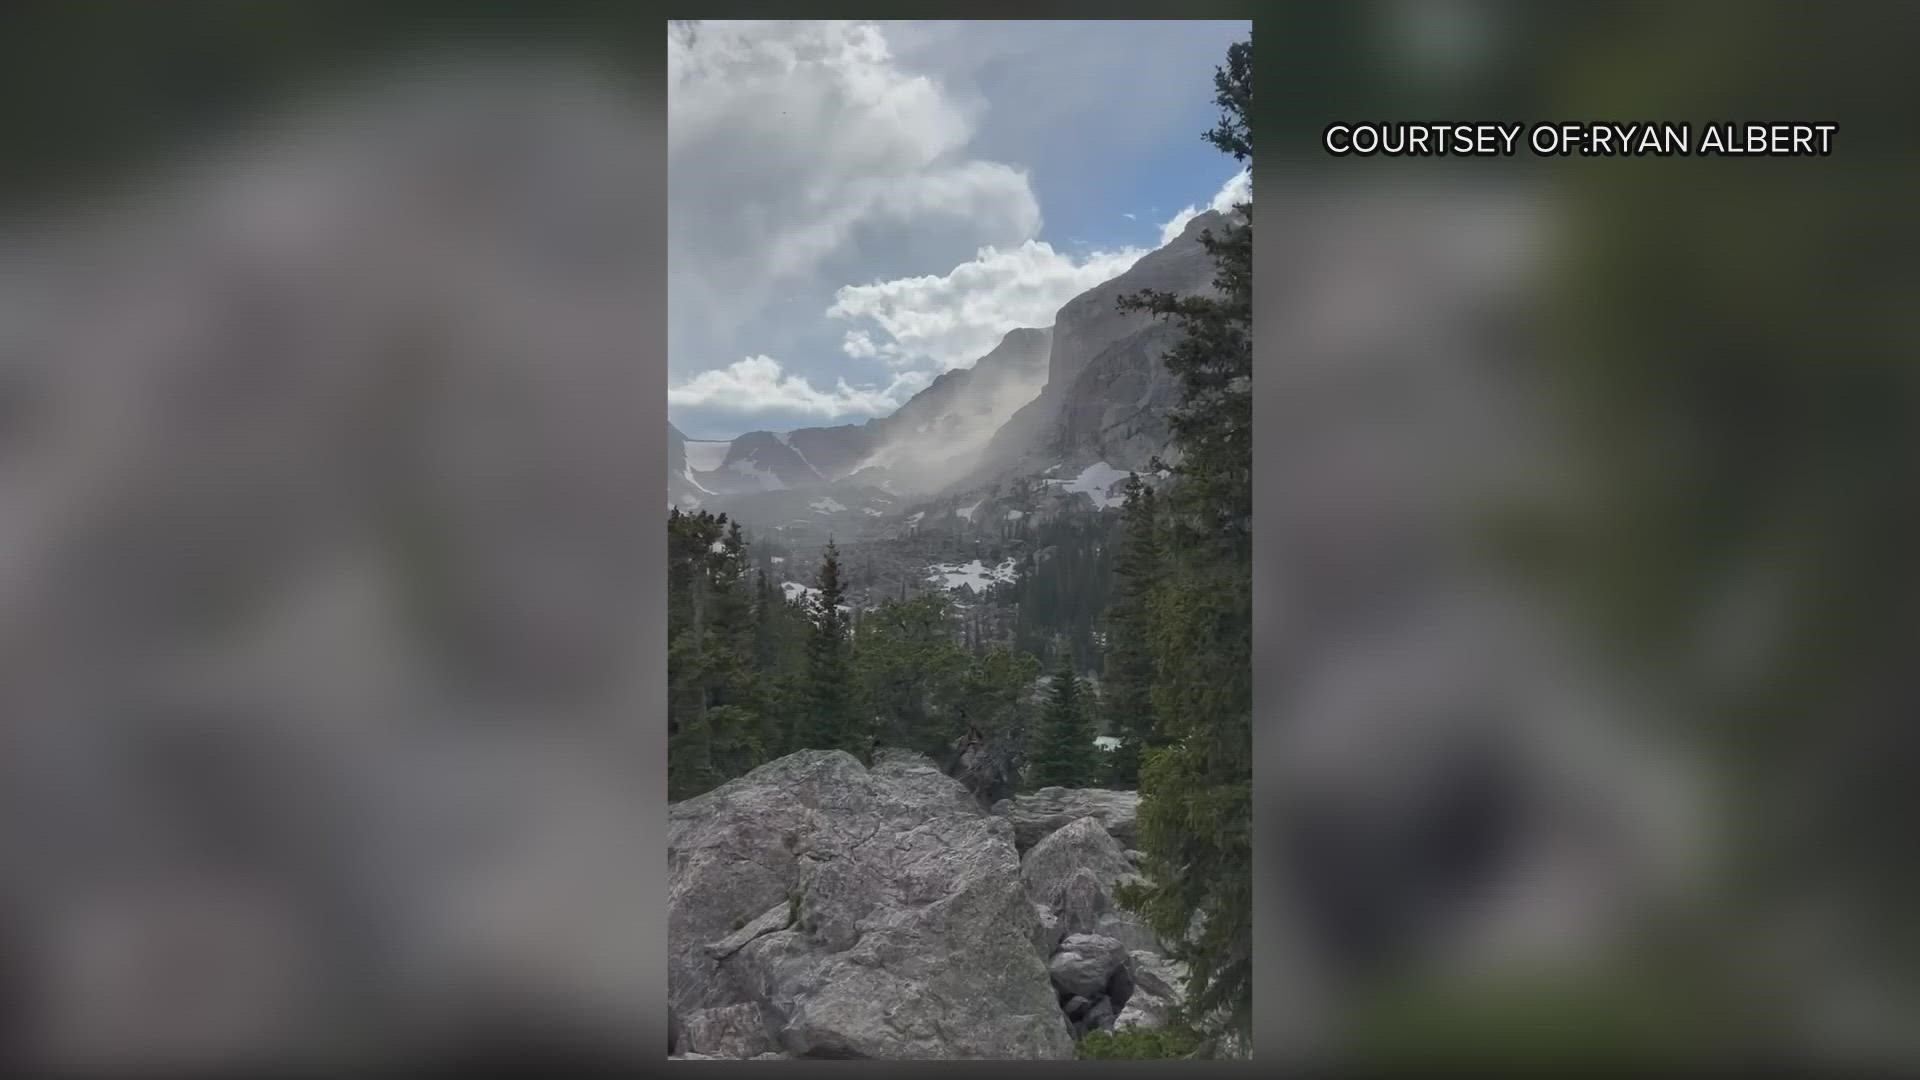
point(1196, 814)
point(1129, 661)
point(1063, 752)
point(830, 721)
point(780, 629)
point(713, 704)
point(908, 669)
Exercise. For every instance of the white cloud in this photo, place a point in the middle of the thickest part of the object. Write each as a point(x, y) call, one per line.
point(758, 385)
point(1238, 189)
point(1128, 216)
point(860, 346)
point(954, 319)
point(793, 145)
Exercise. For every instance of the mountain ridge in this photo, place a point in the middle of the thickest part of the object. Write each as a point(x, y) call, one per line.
point(1087, 395)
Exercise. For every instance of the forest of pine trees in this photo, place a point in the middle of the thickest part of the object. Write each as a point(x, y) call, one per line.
point(1059, 598)
point(754, 675)
point(1166, 583)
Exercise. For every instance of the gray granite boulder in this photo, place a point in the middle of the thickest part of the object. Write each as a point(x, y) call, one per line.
point(870, 912)
point(1085, 964)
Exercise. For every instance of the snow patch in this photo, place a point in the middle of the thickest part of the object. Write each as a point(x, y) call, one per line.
point(1016, 515)
point(827, 506)
point(975, 575)
point(796, 591)
point(706, 456)
point(1094, 481)
point(1106, 742)
point(968, 512)
point(917, 518)
point(871, 512)
point(769, 481)
point(718, 547)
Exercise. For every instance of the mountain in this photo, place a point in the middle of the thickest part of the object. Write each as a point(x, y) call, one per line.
point(924, 445)
point(1107, 393)
point(682, 489)
point(933, 439)
point(763, 461)
point(1075, 405)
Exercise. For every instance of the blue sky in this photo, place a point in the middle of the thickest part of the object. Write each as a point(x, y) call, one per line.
point(856, 207)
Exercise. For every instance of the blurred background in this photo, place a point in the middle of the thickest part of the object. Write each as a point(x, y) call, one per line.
point(1586, 493)
point(330, 653)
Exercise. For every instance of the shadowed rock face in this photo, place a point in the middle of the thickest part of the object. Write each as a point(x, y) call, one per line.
point(869, 912)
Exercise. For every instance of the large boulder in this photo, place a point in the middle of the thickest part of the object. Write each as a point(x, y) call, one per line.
point(1082, 847)
point(1085, 964)
point(1035, 814)
point(1074, 870)
point(1081, 902)
point(869, 912)
point(1048, 930)
point(729, 1031)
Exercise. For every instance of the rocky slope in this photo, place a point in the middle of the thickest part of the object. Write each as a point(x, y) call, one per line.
point(1107, 393)
point(821, 908)
point(923, 446)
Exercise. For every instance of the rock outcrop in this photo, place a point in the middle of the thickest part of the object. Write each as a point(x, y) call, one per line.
point(1105, 962)
point(864, 912)
point(821, 908)
point(1035, 814)
point(1074, 871)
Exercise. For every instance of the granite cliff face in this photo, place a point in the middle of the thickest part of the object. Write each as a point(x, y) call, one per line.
point(1107, 394)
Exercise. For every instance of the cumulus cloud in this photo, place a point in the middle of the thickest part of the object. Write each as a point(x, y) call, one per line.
point(954, 319)
point(795, 144)
point(806, 159)
point(757, 384)
point(1237, 190)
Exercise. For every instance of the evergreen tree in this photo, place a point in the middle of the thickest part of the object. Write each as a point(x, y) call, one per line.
point(1196, 814)
point(993, 694)
point(1129, 662)
point(713, 704)
point(1063, 750)
point(830, 721)
point(908, 669)
point(781, 628)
